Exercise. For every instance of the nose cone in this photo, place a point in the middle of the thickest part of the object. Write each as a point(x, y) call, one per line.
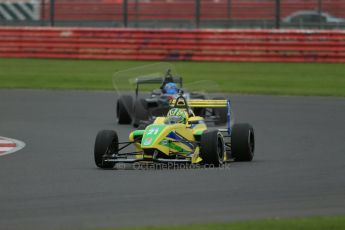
point(153, 135)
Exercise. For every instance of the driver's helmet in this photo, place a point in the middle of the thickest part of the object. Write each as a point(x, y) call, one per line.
point(170, 88)
point(176, 115)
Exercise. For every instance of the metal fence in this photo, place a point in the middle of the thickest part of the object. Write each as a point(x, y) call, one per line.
point(321, 14)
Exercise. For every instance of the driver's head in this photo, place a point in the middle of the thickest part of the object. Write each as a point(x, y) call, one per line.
point(170, 88)
point(177, 115)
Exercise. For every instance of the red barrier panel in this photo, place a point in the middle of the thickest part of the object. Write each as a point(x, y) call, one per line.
point(164, 44)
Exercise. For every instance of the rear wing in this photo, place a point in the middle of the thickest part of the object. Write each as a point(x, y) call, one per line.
point(199, 103)
point(207, 103)
point(157, 80)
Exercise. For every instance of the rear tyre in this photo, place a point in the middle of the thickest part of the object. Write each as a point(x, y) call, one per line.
point(106, 143)
point(242, 142)
point(123, 109)
point(212, 148)
point(220, 113)
point(198, 111)
point(140, 113)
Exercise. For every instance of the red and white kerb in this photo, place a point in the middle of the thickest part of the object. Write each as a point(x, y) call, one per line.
point(8, 145)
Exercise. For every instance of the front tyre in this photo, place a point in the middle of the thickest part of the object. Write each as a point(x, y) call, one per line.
point(106, 143)
point(123, 109)
point(212, 148)
point(242, 142)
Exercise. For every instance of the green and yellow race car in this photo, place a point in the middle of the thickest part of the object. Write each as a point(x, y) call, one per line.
point(180, 137)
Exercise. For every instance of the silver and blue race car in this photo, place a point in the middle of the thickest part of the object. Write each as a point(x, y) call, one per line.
point(142, 109)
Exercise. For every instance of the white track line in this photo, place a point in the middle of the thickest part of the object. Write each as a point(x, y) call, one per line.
point(5, 149)
point(2, 141)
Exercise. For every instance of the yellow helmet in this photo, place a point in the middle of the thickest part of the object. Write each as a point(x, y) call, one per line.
point(176, 115)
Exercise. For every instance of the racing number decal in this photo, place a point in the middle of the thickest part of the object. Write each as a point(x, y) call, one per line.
point(153, 131)
point(150, 135)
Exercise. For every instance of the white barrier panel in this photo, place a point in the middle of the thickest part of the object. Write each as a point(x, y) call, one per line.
point(20, 10)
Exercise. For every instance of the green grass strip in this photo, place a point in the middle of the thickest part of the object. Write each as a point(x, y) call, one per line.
point(311, 79)
point(310, 223)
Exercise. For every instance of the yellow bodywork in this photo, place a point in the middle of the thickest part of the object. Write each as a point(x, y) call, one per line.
point(172, 139)
point(168, 139)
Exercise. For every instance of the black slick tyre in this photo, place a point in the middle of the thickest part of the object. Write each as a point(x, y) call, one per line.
point(123, 109)
point(242, 142)
point(106, 143)
point(140, 113)
point(212, 148)
point(198, 111)
point(220, 113)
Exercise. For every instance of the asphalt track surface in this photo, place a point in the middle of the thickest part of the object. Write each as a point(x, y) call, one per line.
point(298, 170)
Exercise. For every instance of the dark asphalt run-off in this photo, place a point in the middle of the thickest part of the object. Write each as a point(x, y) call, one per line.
point(53, 183)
